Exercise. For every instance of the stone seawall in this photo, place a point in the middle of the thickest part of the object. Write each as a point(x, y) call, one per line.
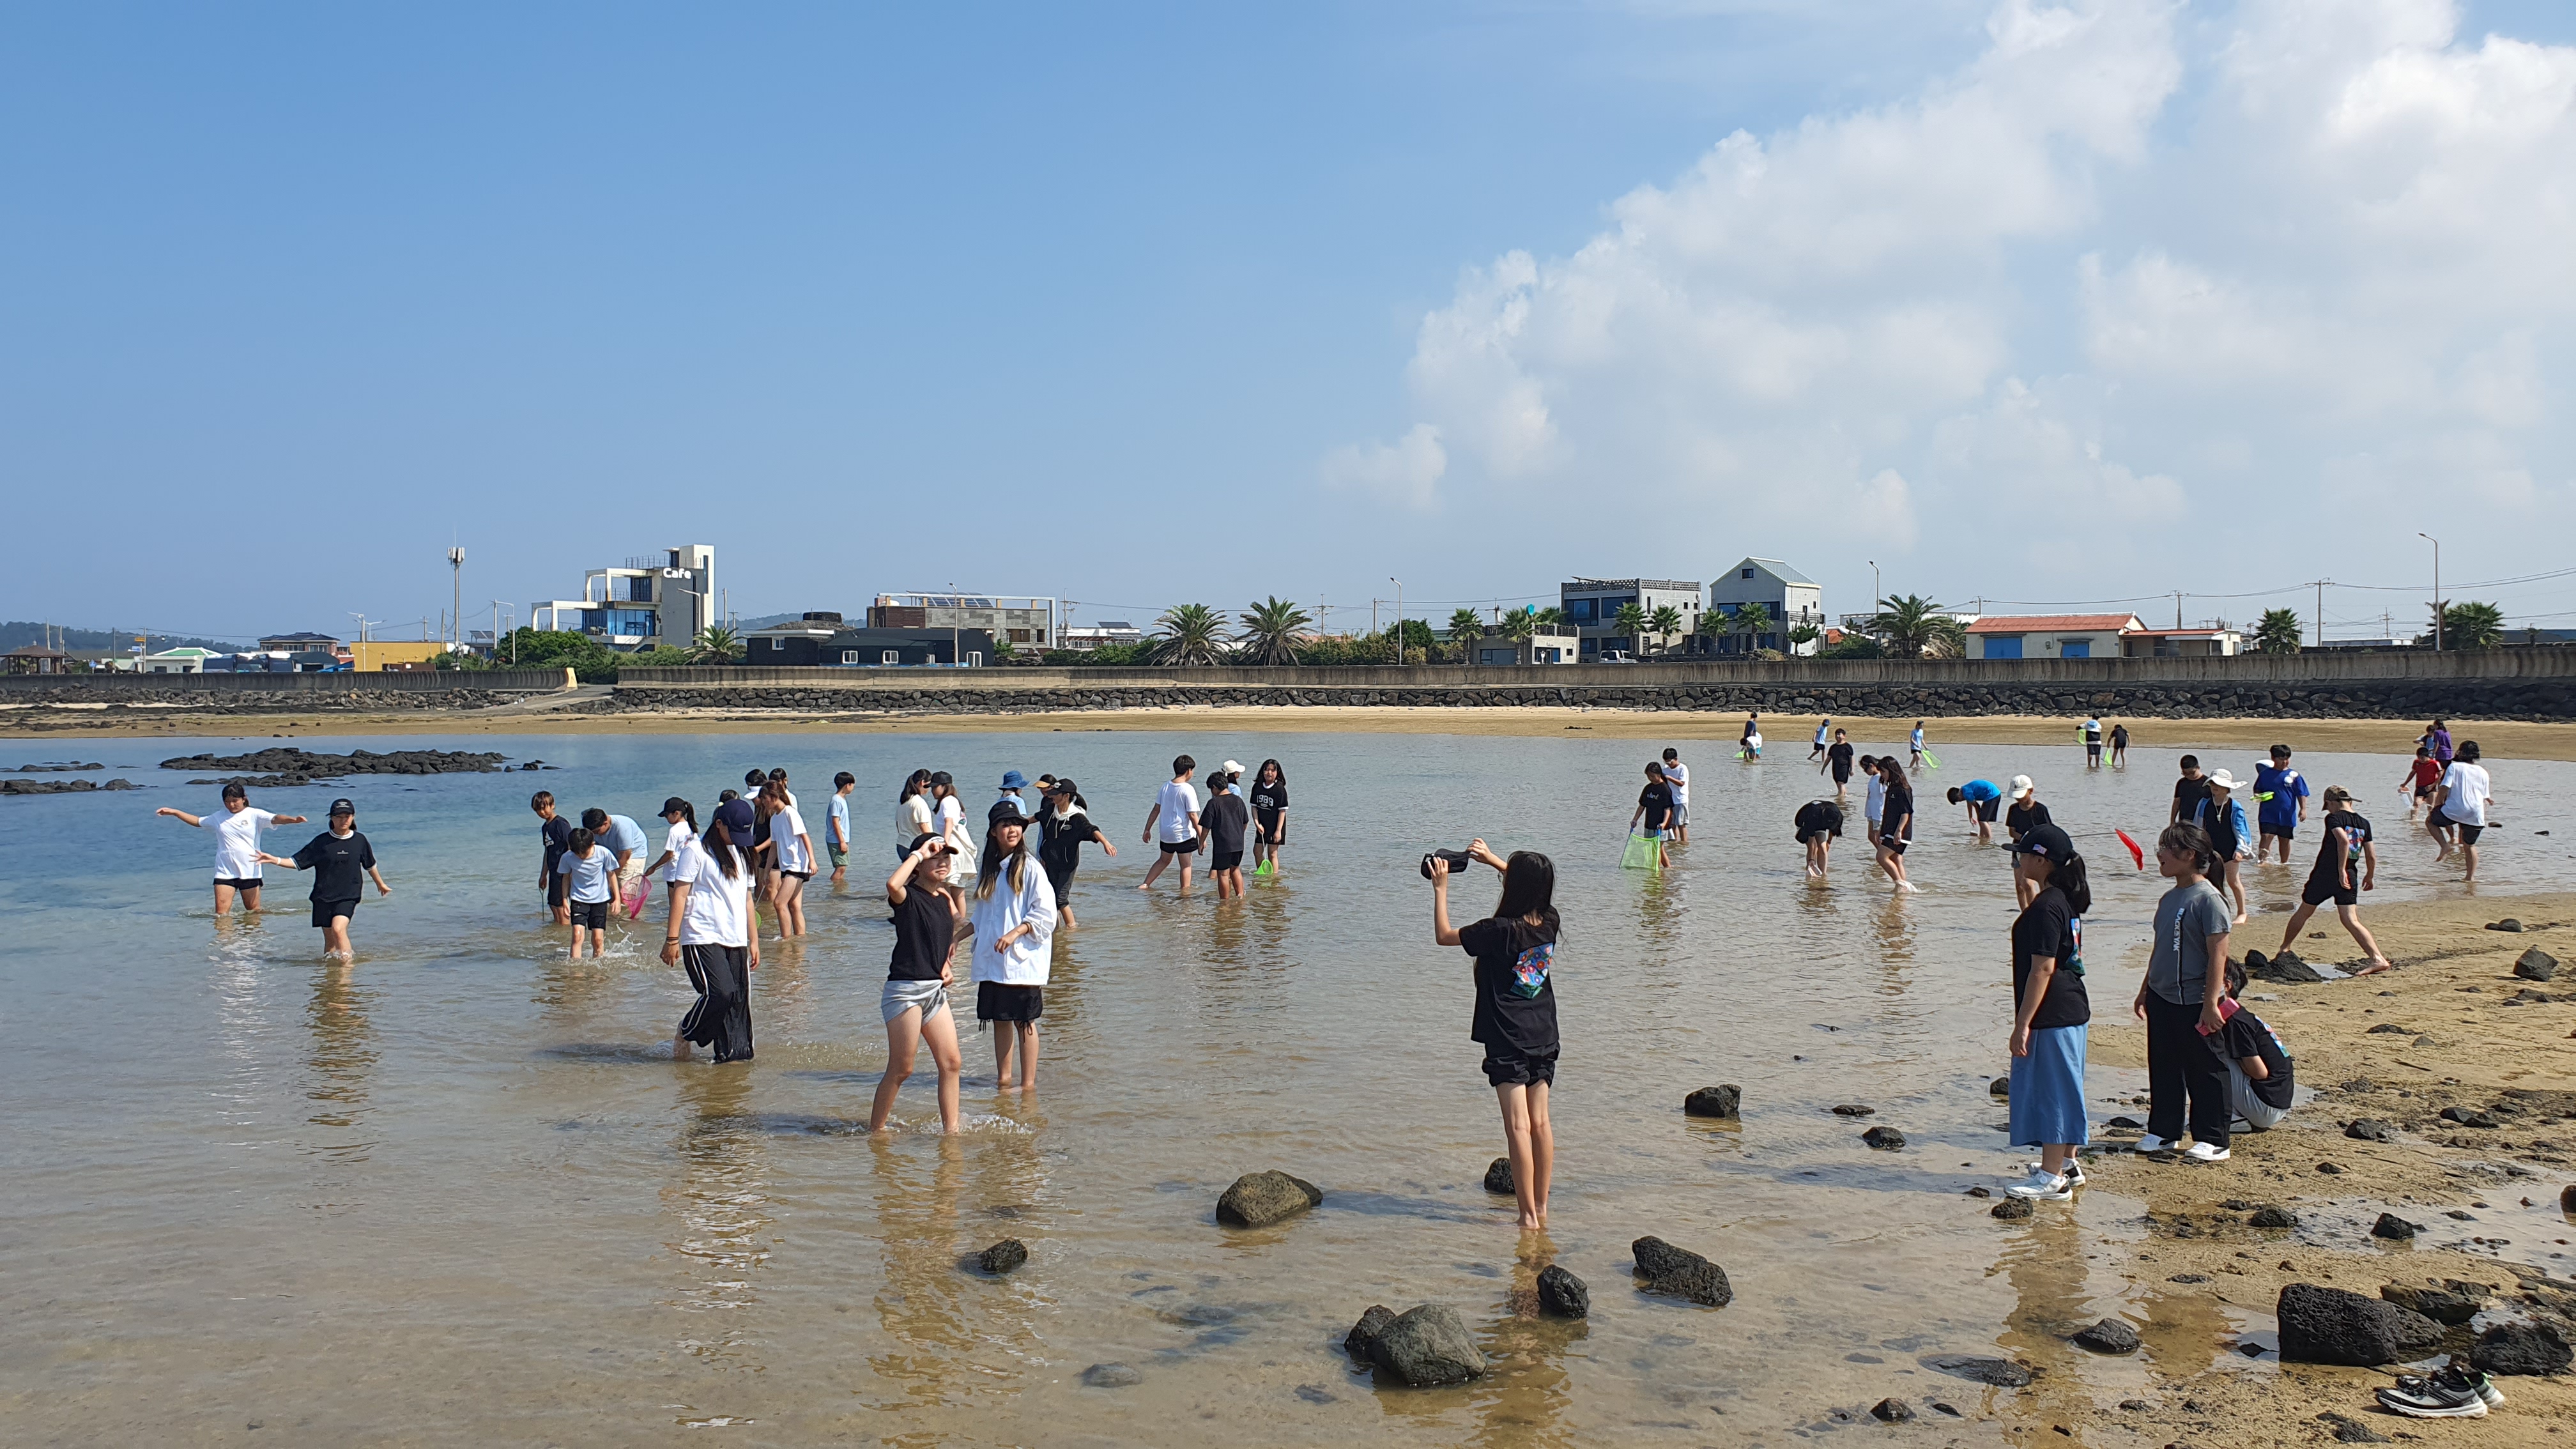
point(2515, 699)
point(264, 701)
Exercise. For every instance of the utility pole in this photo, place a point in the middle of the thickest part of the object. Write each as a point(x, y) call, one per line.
point(1399, 616)
point(2321, 611)
point(2437, 588)
point(456, 615)
point(2177, 608)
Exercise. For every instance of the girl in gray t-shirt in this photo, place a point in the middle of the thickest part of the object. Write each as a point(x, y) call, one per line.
point(2179, 1004)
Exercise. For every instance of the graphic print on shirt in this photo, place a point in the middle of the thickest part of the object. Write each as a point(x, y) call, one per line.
point(1529, 972)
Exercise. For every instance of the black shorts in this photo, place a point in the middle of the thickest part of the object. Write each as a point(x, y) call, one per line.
point(1059, 879)
point(1805, 836)
point(2423, 792)
point(1988, 810)
point(2468, 833)
point(2322, 888)
point(799, 874)
point(2280, 832)
point(554, 887)
point(240, 882)
point(1225, 860)
point(590, 915)
point(1182, 847)
point(997, 1002)
point(323, 911)
point(1274, 826)
point(1842, 774)
point(1505, 1067)
point(1891, 845)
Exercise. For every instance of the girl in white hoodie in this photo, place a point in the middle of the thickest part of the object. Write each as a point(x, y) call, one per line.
point(1014, 947)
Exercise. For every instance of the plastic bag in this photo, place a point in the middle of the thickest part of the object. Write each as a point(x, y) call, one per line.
point(1642, 853)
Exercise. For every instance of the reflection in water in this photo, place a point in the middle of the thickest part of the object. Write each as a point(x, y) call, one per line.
point(920, 1303)
point(2046, 1266)
point(342, 1057)
point(721, 1201)
point(1524, 1402)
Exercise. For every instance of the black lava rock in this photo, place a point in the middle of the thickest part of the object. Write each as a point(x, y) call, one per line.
point(2109, 1336)
point(2272, 1217)
point(1428, 1345)
point(2467, 1117)
point(1855, 1109)
point(1258, 1199)
point(2329, 1325)
point(1892, 1411)
point(1999, 1087)
point(2507, 924)
point(2394, 1228)
point(1111, 1376)
point(2442, 1305)
point(2001, 1373)
point(1724, 1102)
point(2014, 1209)
point(1884, 1139)
point(2520, 1348)
point(2285, 969)
point(2348, 1430)
point(2369, 1129)
point(1562, 1295)
point(2535, 965)
point(1498, 1177)
point(1680, 1273)
point(1003, 1256)
point(1364, 1333)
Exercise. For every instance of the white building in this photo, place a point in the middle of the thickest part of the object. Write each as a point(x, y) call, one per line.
point(1106, 632)
point(641, 604)
point(1792, 600)
point(1020, 621)
point(1592, 608)
point(1547, 644)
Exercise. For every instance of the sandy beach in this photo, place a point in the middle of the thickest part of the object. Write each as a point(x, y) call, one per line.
point(1789, 736)
point(2488, 1197)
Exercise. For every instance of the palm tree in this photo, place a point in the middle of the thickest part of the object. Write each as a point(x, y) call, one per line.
point(1465, 628)
point(1520, 627)
point(1666, 621)
point(715, 644)
point(1272, 630)
point(1913, 627)
point(1631, 621)
point(1552, 614)
point(1754, 620)
point(2279, 632)
point(1189, 634)
point(2472, 626)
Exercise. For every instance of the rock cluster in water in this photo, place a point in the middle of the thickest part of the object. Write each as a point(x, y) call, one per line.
point(1420, 1346)
point(1562, 1295)
point(287, 766)
point(53, 769)
point(1722, 1102)
point(61, 787)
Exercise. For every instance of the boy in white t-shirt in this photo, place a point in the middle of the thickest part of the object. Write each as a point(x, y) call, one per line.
point(2460, 802)
point(1176, 811)
point(1677, 775)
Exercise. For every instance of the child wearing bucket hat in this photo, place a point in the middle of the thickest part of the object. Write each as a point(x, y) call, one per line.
point(2221, 817)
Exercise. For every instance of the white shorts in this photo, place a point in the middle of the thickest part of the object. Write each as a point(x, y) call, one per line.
point(1681, 813)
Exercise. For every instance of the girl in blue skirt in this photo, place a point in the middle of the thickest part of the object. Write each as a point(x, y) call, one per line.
point(2051, 1013)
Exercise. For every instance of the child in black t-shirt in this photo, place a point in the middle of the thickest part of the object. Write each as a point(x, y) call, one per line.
point(2258, 1066)
point(1515, 951)
point(341, 860)
point(1820, 824)
point(1655, 807)
point(2347, 864)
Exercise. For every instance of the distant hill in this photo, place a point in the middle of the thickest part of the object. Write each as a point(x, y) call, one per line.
point(18, 631)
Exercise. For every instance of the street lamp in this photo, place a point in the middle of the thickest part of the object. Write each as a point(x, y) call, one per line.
point(2437, 589)
point(1399, 616)
point(1873, 583)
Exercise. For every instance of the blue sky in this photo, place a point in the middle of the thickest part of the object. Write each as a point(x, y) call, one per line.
point(1145, 305)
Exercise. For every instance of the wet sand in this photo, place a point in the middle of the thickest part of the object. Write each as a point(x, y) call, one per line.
point(2501, 739)
point(2463, 1045)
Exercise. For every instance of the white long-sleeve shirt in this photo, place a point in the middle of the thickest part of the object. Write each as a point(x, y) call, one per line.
point(1032, 957)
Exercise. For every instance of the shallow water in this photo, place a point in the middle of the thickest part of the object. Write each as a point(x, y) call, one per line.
point(458, 1192)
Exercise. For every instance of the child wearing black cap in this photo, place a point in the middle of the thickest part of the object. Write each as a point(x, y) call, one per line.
point(340, 859)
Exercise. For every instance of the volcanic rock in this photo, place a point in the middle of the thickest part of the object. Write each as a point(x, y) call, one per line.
point(1884, 1139)
point(1726, 1101)
point(1680, 1273)
point(1364, 1333)
point(2329, 1325)
point(1259, 1199)
point(2001, 1373)
point(1562, 1295)
point(1428, 1345)
point(2109, 1336)
point(2520, 1348)
point(1111, 1376)
point(1498, 1177)
point(1892, 1411)
point(2273, 1216)
point(2535, 964)
point(2395, 1228)
point(2442, 1305)
point(2369, 1129)
point(2014, 1209)
point(1003, 1256)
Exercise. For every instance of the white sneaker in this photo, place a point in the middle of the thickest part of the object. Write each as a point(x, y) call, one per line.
point(2152, 1143)
point(2203, 1152)
point(2074, 1172)
point(2042, 1186)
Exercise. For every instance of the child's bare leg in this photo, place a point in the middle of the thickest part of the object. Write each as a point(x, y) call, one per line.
point(1542, 1148)
point(1514, 1099)
point(335, 938)
point(940, 1033)
point(223, 900)
point(1028, 1055)
point(1156, 873)
point(2351, 917)
point(903, 1035)
point(2236, 887)
point(1004, 1038)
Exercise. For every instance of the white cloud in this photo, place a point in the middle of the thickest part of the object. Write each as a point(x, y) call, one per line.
point(2037, 300)
point(1407, 470)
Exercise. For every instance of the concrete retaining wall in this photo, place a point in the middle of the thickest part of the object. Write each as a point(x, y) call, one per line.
point(447, 689)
